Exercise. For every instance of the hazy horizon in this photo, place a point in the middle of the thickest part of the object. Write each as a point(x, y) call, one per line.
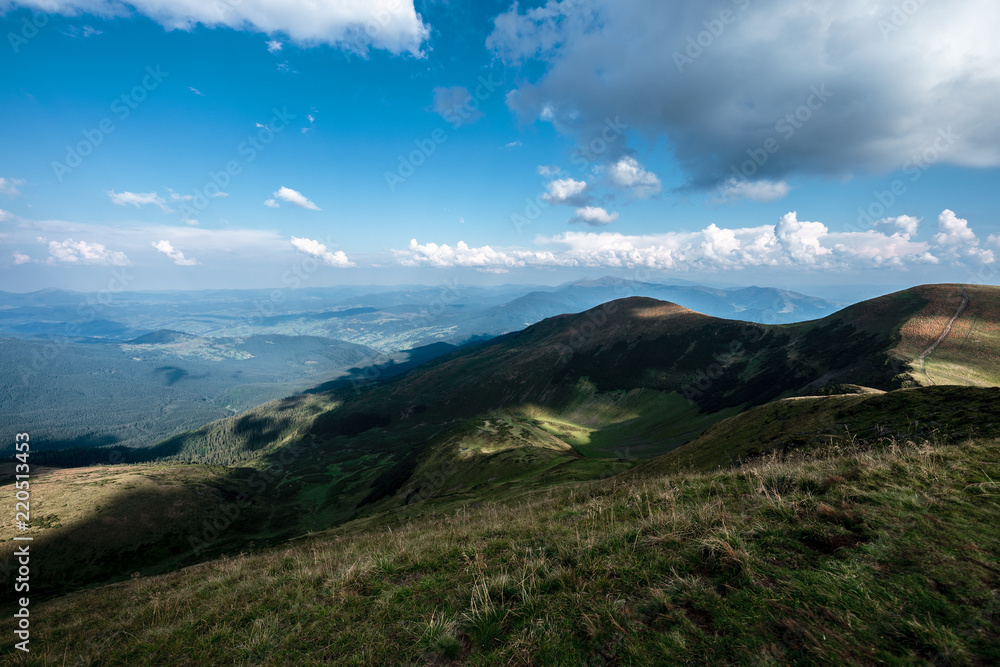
point(400, 142)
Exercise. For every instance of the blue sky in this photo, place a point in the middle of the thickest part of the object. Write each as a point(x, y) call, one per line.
point(273, 144)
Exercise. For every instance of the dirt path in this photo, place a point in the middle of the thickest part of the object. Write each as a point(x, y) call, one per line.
point(944, 334)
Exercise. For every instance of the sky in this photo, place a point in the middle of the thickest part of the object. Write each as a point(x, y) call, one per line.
point(264, 143)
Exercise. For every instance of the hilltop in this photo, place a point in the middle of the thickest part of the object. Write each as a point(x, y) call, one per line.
point(574, 398)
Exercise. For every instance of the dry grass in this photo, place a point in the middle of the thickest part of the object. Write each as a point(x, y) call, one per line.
point(846, 557)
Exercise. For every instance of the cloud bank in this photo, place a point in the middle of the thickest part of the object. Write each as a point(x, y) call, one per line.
point(816, 88)
point(790, 243)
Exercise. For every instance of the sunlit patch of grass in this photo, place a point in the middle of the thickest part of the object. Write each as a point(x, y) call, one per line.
point(875, 555)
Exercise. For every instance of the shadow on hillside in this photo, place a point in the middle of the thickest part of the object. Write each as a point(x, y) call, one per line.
point(179, 521)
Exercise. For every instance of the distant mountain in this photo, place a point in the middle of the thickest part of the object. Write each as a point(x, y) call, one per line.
point(633, 378)
point(574, 397)
point(389, 319)
point(756, 304)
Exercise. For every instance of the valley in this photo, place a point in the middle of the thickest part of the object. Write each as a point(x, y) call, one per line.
point(614, 409)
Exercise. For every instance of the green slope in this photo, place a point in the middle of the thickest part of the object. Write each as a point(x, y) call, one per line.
point(573, 398)
point(878, 556)
point(945, 413)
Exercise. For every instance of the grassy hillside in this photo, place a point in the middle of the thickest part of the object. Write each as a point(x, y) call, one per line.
point(882, 555)
point(943, 412)
point(106, 523)
point(577, 398)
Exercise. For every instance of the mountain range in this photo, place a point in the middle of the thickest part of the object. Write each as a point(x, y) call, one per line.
point(576, 414)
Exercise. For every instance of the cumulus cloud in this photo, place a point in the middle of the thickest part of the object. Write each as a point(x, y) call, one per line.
point(8, 186)
point(628, 174)
point(292, 197)
point(760, 191)
point(851, 88)
point(483, 258)
point(790, 243)
point(565, 191)
point(21, 258)
point(456, 106)
point(392, 25)
point(139, 199)
point(594, 215)
point(272, 203)
point(274, 46)
point(906, 224)
point(955, 240)
point(319, 251)
point(81, 252)
point(176, 255)
point(549, 170)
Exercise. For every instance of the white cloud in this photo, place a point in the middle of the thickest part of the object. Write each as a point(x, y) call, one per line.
point(513, 144)
point(179, 197)
point(789, 244)
point(760, 191)
point(8, 186)
point(20, 257)
point(271, 203)
point(293, 197)
point(138, 199)
point(176, 255)
point(196, 91)
point(893, 85)
point(628, 174)
point(907, 224)
point(393, 25)
point(485, 257)
point(274, 46)
point(955, 240)
point(232, 248)
point(84, 31)
point(549, 170)
point(594, 215)
point(81, 252)
point(800, 239)
point(565, 191)
point(319, 251)
point(456, 105)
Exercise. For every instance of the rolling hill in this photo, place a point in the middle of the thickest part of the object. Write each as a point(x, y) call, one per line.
point(577, 398)
point(877, 551)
